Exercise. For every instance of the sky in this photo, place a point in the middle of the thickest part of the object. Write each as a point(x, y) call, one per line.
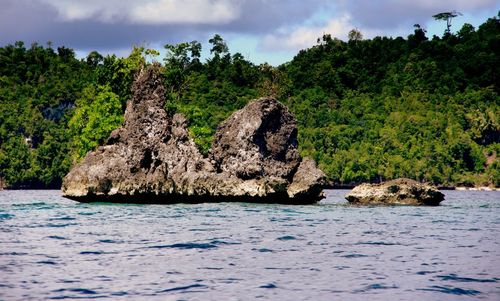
point(271, 31)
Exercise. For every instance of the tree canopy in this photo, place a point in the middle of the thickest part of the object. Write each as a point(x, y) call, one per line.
point(367, 109)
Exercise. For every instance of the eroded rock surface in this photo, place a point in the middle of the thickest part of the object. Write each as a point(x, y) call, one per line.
point(396, 192)
point(152, 159)
point(259, 140)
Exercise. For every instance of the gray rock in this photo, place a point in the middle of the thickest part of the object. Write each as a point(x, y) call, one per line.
point(259, 140)
point(396, 192)
point(152, 159)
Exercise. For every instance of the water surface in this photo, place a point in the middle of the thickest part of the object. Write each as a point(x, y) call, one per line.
point(54, 248)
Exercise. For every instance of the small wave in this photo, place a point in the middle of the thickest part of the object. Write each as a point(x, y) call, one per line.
point(375, 286)
point(36, 206)
point(454, 277)
point(63, 218)
point(222, 242)
point(185, 246)
point(427, 272)
point(83, 291)
point(445, 221)
point(91, 253)
point(203, 229)
point(6, 216)
point(342, 267)
point(6, 285)
point(451, 290)
point(374, 232)
point(49, 262)
point(252, 210)
point(68, 281)
point(103, 278)
point(287, 237)
point(30, 204)
point(378, 243)
point(354, 255)
point(281, 219)
point(269, 285)
point(51, 225)
point(56, 237)
point(263, 250)
point(120, 293)
point(184, 288)
point(110, 241)
point(14, 253)
point(215, 210)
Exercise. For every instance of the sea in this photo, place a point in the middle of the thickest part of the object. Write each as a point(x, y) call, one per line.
point(53, 248)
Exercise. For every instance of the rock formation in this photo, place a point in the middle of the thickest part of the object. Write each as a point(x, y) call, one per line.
point(395, 192)
point(152, 159)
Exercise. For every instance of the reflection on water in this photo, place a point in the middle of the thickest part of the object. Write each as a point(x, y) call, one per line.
point(53, 248)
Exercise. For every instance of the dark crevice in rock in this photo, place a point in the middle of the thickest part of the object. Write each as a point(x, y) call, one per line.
point(146, 160)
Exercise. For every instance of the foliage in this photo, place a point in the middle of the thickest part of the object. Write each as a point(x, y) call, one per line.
point(54, 108)
point(367, 109)
point(98, 112)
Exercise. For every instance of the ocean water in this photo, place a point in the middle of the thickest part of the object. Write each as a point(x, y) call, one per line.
point(54, 248)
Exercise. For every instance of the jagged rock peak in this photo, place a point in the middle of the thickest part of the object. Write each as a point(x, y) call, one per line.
point(149, 81)
point(259, 140)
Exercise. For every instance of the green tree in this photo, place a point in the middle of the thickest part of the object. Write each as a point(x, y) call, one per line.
point(355, 35)
point(447, 16)
point(219, 46)
point(98, 113)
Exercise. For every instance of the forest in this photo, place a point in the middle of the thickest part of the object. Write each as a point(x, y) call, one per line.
point(368, 110)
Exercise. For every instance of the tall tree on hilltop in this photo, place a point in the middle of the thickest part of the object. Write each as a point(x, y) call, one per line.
point(219, 45)
point(355, 35)
point(447, 16)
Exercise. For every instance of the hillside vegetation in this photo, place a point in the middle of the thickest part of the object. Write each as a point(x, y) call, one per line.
point(368, 110)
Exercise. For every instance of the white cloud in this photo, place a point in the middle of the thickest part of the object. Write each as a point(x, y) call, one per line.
point(186, 11)
point(452, 4)
point(306, 36)
point(152, 12)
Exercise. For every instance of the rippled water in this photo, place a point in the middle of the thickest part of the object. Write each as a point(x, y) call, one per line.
point(54, 248)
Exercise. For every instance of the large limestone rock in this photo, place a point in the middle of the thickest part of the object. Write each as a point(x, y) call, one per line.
point(152, 159)
point(395, 192)
point(259, 140)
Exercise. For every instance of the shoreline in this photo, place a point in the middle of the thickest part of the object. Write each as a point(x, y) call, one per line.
point(460, 188)
point(328, 186)
point(480, 188)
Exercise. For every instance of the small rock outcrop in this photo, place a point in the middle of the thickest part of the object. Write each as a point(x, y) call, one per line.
point(396, 192)
point(152, 158)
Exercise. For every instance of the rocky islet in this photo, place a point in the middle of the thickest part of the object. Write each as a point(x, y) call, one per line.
point(152, 158)
point(396, 192)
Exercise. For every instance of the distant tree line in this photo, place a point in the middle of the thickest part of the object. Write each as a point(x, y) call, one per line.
point(368, 110)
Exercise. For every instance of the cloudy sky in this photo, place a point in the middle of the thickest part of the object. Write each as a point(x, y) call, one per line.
point(262, 30)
